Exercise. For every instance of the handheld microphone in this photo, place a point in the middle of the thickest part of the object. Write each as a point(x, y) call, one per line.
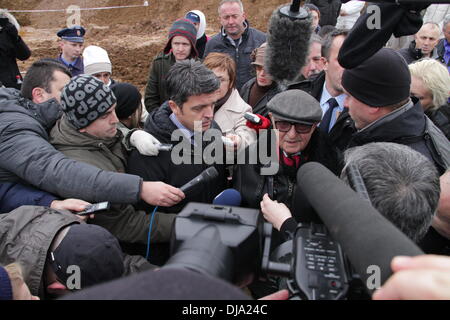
point(256, 121)
point(288, 35)
point(206, 176)
point(253, 118)
point(369, 239)
point(228, 197)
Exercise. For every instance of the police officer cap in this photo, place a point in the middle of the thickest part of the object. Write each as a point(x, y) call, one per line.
point(73, 34)
point(295, 106)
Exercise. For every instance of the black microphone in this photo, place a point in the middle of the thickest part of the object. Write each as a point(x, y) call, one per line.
point(206, 176)
point(288, 35)
point(367, 237)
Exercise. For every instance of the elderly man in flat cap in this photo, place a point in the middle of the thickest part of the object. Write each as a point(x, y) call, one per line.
point(71, 44)
point(295, 116)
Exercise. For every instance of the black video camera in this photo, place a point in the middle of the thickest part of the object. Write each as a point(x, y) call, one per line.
point(233, 244)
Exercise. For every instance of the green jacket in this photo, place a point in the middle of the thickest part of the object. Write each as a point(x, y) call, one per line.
point(123, 221)
point(156, 91)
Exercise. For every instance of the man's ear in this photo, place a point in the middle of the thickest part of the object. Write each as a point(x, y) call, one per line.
point(174, 107)
point(325, 63)
point(37, 95)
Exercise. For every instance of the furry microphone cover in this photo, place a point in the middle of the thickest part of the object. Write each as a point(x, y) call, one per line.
point(287, 46)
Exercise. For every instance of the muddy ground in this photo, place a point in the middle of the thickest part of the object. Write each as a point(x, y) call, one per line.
point(132, 36)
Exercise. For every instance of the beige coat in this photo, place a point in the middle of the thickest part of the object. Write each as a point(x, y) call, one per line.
point(231, 117)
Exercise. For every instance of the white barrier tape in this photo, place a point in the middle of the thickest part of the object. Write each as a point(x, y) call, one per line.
point(85, 9)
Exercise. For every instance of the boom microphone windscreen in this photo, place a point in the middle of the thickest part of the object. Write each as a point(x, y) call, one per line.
point(288, 37)
point(369, 239)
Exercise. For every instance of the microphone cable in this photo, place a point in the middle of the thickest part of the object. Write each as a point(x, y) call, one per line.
point(149, 232)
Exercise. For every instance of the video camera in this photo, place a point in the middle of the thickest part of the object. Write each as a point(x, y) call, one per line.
point(234, 243)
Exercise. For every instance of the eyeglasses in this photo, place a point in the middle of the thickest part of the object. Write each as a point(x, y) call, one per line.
point(285, 126)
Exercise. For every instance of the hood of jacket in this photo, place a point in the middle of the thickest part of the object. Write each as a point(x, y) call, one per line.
point(26, 234)
point(202, 24)
point(15, 107)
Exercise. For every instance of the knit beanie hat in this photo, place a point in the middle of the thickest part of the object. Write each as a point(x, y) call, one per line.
point(183, 28)
point(84, 99)
point(95, 60)
point(382, 80)
point(5, 285)
point(128, 99)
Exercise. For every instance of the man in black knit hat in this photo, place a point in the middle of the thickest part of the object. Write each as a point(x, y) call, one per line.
point(378, 102)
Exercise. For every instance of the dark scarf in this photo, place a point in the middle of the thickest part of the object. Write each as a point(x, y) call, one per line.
point(222, 101)
point(257, 92)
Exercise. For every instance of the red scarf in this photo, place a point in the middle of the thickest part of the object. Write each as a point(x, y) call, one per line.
point(292, 160)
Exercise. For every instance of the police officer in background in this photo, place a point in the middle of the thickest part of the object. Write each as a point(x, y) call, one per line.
point(71, 44)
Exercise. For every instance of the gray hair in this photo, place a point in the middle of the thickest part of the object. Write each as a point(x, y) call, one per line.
point(190, 78)
point(315, 38)
point(239, 2)
point(403, 185)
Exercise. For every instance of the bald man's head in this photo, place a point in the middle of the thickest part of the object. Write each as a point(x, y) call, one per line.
point(427, 38)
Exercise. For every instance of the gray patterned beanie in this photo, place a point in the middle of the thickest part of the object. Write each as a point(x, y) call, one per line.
point(84, 99)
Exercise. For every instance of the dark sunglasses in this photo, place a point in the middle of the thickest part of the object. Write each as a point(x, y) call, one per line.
point(285, 126)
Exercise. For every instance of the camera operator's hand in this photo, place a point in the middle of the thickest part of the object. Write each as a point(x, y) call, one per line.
point(274, 212)
point(160, 194)
point(425, 277)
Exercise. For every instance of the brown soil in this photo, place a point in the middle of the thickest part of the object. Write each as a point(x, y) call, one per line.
point(132, 36)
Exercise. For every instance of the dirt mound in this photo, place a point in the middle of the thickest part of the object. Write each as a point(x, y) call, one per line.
point(132, 36)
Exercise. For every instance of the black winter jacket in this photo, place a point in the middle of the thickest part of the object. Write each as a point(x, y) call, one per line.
point(412, 54)
point(407, 126)
point(162, 168)
point(252, 185)
point(251, 39)
point(260, 107)
point(10, 50)
point(329, 11)
point(441, 118)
